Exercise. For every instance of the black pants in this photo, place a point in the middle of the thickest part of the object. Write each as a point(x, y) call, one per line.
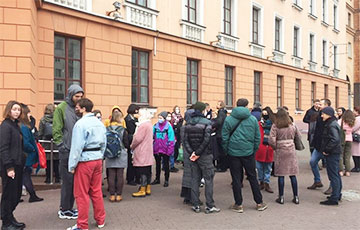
point(165, 158)
point(177, 146)
point(56, 170)
point(115, 180)
point(67, 186)
point(11, 193)
point(27, 180)
point(356, 162)
point(236, 169)
point(145, 175)
point(131, 174)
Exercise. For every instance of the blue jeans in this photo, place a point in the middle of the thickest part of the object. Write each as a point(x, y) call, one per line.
point(332, 168)
point(264, 171)
point(316, 156)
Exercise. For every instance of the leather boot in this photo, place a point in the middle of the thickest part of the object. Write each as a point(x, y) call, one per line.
point(118, 198)
point(267, 188)
point(315, 185)
point(328, 191)
point(34, 198)
point(112, 198)
point(148, 190)
point(262, 185)
point(140, 193)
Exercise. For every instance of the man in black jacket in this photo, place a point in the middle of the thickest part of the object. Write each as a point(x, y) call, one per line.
point(331, 149)
point(218, 122)
point(309, 113)
point(197, 143)
point(317, 155)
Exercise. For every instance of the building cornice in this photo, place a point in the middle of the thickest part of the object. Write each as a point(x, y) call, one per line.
point(349, 7)
point(350, 31)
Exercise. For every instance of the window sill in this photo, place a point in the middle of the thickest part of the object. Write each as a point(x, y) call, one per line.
point(312, 16)
point(324, 24)
point(325, 69)
point(278, 56)
point(312, 66)
point(297, 61)
point(296, 6)
point(336, 30)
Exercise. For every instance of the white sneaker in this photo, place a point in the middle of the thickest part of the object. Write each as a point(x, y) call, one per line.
point(202, 182)
point(23, 192)
point(101, 225)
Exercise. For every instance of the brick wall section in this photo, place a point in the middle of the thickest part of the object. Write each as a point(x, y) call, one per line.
point(357, 41)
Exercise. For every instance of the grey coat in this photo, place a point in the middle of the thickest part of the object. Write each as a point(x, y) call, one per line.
point(282, 141)
point(186, 179)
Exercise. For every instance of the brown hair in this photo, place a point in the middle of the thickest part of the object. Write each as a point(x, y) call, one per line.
point(357, 109)
point(49, 109)
point(222, 104)
point(8, 107)
point(24, 115)
point(86, 103)
point(116, 116)
point(349, 118)
point(175, 108)
point(282, 119)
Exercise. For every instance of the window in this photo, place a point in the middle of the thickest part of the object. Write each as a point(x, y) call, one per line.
point(324, 53)
point(67, 65)
point(143, 3)
point(255, 25)
point(191, 10)
point(312, 7)
point(326, 91)
point(257, 86)
point(298, 94)
point(335, 17)
point(349, 20)
point(313, 92)
point(279, 91)
point(227, 16)
point(192, 74)
point(229, 73)
point(335, 57)
point(349, 50)
point(277, 34)
point(140, 76)
point(324, 11)
point(336, 97)
point(311, 48)
point(296, 42)
point(297, 2)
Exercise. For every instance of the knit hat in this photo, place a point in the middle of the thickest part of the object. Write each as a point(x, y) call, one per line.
point(328, 111)
point(163, 114)
point(199, 106)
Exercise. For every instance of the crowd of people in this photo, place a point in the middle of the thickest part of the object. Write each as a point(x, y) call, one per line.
point(255, 143)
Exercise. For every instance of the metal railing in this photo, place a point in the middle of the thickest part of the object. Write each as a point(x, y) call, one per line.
point(51, 151)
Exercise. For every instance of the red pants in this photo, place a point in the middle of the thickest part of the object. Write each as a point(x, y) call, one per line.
point(87, 184)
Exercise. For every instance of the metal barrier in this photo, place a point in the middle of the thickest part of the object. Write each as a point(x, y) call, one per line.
point(51, 151)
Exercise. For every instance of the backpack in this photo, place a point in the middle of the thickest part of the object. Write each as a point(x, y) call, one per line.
point(47, 135)
point(114, 144)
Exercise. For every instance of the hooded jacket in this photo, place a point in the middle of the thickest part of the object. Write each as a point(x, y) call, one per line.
point(164, 138)
point(245, 140)
point(64, 121)
point(107, 121)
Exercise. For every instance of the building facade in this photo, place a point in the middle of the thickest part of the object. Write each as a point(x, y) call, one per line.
point(161, 53)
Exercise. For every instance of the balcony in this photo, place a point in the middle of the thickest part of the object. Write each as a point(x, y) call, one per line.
point(228, 42)
point(278, 56)
point(297, 61)
point(257, 50)
point(192, 31)
point(83, 5)
point(140, 16)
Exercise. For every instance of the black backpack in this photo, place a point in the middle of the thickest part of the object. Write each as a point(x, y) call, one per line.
point(47, 135)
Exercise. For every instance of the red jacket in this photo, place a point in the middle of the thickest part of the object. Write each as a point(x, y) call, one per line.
point(265, 153)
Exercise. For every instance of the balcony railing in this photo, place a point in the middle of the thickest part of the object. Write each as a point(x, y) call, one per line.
point(192, 31)
point(228, 42)
point(140, 16)
point(84, 5)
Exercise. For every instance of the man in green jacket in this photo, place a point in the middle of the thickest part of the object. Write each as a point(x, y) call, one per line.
point(64, 120)
point(241, 139)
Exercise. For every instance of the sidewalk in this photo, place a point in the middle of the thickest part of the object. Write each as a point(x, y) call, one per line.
point(164, 208)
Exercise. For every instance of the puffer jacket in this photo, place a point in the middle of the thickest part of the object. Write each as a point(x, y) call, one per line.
point(164, 138)
point(331, 140)
point(245, 140)
point(197, 135)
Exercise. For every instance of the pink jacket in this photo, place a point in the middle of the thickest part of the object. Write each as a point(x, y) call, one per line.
point(142, 145)
point(347, 129)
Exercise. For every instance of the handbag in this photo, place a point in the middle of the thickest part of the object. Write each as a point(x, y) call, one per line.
point(298, 143)
point(42, 157)
point(356, 137)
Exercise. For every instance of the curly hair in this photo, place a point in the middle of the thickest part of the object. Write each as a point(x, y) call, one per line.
point(349, 118)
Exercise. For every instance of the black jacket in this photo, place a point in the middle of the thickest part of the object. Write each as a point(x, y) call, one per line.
point(11, 146)
point(219, 122)
point(308, 114)
point(130, 127)
point(331, 141)
point(318, 135)
point(197, 135)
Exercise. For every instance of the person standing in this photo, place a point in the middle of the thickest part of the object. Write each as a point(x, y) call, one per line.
point(85, 162)
point(241, 139)
point(197, 142)
point(346, 123)
point(31, 151)
point(281, 138)
point(218, 122)
point(63, 123)
point(130, 121)
point(12, 159)
point(340, 112)
point(355, 146)
point(176, 121)
point(164, 142)
point(331, 149)
point(307, 118)
point(116, 157)
point(265, 154)
point(143, 158)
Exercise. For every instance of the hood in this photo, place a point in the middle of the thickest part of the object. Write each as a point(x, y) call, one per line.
point(115, 107)
point(240, 113)
point(72, 90)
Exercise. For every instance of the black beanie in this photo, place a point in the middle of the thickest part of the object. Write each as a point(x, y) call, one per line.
point(329, 111)
point(199, 106)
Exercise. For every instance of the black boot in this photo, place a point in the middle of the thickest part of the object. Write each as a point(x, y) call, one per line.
point(156, 181)
point(34, 198)
point(17, 224)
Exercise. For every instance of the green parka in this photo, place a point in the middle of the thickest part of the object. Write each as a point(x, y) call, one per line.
point(245, 139)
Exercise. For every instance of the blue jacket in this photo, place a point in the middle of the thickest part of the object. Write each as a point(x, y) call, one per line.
point(88, 133)
point(29, 146)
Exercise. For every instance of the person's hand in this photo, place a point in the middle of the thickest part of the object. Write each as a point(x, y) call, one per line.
point(11, 173)
point(72, 171)
point(193, 157)
point(325, 154)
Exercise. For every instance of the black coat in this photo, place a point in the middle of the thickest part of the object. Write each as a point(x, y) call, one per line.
point(11, 146)
point(308, 115)
point(331, 140)
point(197, 136)
point(218, 122)
point(318, 135)
point(130, 127)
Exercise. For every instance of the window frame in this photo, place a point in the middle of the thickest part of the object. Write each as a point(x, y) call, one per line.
point(335, 57)
point(189, 74)
point(349, 49)
point(258, 84)
point(335, 17)
point(298, 94)
point(278, 31)
point(255, 33)
point(349, 19)
point(229, 69)
point(189, 8)
point(336, 96)
point(312, 47)
point(66, 78)
point(136, 2)
point(279, 90)
point(325, 11)
point(296, 45)
point(229, 10)
point(326, 91)
point(139, 85)
point(324, 53)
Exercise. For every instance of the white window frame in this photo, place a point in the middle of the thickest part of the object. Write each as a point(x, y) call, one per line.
point(349, 50)
point(325, 11)
point(336, 16)
point(299, 41)
point(336, 58)
point(297, 2)
point(261, 21)
point(234, 17)
point(326, 54)
point(313, 48)
point(312, 4)
point(277, 16)
point(199, 12)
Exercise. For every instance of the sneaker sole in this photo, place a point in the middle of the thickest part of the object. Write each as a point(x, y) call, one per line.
point(67, 218)
point(262, 209)
point(237, 211)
